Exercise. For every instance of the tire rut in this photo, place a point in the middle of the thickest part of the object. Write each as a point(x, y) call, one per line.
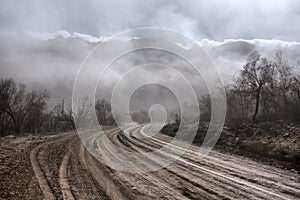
point(260, 186)
point(39, 174)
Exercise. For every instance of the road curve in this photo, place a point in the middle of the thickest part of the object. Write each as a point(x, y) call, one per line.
point(64, 168)
point(217, 176)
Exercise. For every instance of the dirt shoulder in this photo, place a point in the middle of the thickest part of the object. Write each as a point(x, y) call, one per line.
point(45, 167)
point(16, 174)
point(277, 143)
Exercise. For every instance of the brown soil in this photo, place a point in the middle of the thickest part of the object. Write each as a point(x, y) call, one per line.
point(59, 167)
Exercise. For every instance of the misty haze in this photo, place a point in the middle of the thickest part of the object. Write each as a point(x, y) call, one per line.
point(149, 100)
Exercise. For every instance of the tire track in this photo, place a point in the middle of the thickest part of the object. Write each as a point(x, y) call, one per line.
point(252, 184)
point(229, 168)
point(76, 173)
point(231, 179)
point(165, 187)
point(49, 163)
point(179, 171)
point(147, 184)
point(100, 172)
point(81, 182)
point(43, 183)
point(63, 177)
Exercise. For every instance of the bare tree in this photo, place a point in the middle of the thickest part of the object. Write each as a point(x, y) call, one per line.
point(205, 107)
point(34, 108)
point(23, 108)
point(268, 88)
point(284, 70)
point(103, 111)
point(11, 96)
point(79, 114)
point(257, 72)
point(296, 86)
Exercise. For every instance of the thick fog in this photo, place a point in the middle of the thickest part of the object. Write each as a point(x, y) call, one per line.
point(53, 63)
point(43, 43)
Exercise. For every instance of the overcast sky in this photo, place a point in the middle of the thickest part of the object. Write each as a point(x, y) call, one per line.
point(43, 42)
point(213, 19)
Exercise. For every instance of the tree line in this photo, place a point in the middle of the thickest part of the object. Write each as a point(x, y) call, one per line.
point(23, 111)
point(264, 90)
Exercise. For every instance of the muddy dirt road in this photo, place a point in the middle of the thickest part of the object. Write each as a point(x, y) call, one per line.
point(59, 167)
